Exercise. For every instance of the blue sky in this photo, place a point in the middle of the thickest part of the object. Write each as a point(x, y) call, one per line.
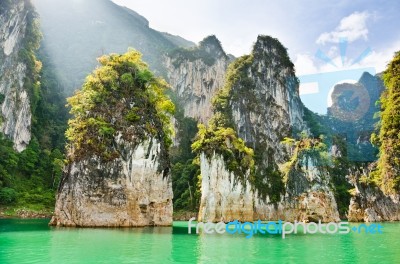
point(302, 26)
point(297, 24)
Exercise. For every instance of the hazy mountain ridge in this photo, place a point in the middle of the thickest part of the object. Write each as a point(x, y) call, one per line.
point(97, 27)
point(17, 76)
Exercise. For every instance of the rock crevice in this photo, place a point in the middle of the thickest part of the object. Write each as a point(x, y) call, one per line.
point(15, 116)
point(130, 191)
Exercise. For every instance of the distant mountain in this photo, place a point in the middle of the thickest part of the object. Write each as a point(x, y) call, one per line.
point(77, 32)
point(357, 102)
point(352, 115)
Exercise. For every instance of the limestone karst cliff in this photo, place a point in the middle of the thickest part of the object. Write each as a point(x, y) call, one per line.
point(195, 75)
point(254, 160)
point(247, 172)
point(119, 170)
point(130, 191)
point(19, 40)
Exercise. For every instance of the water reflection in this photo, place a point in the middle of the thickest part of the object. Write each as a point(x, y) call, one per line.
point(32, 241)
point(118, 245)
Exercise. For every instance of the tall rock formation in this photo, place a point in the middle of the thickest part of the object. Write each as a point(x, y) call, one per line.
point(129, 191)
point(119, 170)
point(19, 40)
point(196, 75)
point(247, 172)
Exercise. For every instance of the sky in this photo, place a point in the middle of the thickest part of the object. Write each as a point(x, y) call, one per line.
point(346, 34)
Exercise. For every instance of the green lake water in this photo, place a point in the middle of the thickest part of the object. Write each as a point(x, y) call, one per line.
point(32, 241)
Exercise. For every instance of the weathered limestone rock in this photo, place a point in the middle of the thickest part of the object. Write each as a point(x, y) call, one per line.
point(196, 80)
point(369, 203)
point(15, 114)
point(224, 198)
point(118, 171)
point(130, 191)
point(265, 107)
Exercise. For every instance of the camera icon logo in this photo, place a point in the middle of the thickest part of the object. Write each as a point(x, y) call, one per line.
point(321, 91)
point(345, 101)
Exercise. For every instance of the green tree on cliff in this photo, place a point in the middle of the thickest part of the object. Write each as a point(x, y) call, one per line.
point(388, 173)
point(121, 95)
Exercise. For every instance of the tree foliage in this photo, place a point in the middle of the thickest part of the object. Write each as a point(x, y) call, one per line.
point(388, 169)
point(220, 137)
point(121, 96)
point(238, 157)
point(30, 178)
point(185, 170)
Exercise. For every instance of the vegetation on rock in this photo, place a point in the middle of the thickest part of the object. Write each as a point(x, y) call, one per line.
point(224, 141)
point(120, 97)
point(208, 50)
point(185, 170)
point(387, 175)
point(220, 137)
point(29, 179)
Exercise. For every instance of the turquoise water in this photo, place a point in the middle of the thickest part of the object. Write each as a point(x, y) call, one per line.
point(32, 241)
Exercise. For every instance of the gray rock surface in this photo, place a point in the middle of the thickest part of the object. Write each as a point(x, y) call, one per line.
point(15, 114)
point(266, 107)
point(129, 191)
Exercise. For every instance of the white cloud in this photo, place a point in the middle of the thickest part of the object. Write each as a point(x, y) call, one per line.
point(377, 59)
point(305, 64)
point(351, 28)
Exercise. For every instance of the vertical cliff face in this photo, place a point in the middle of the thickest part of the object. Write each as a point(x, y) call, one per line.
point(119, 169)
point(268, 179)
point(368, 202)
point(307, 195)
point(265, 103)
point(222, 197)
point(196, 75)
point(130, 191)
point(16, 37)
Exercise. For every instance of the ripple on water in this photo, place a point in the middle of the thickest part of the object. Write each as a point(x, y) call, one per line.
point(33, 241)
